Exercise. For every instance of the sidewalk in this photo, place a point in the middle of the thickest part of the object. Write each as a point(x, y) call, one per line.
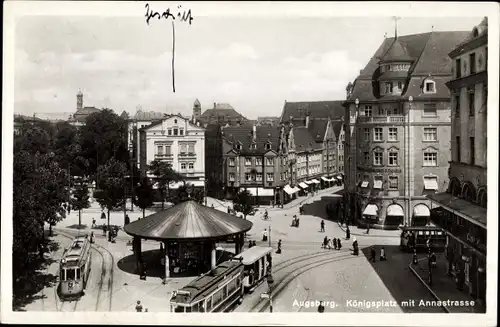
point(443, 287)
point(303, 199)
point(373, 232)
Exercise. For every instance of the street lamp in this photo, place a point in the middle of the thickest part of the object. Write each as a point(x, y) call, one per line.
point(408, 170)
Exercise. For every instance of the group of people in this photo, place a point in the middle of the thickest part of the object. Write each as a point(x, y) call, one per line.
point(295, 221)
point(251, 244)
point(334, 243)
point(373, 254)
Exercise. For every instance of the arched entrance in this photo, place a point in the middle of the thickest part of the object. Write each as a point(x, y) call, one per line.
point(421, 215)
point(482, 197)
point(454, 187)
point(469, 192)
point(395, 215)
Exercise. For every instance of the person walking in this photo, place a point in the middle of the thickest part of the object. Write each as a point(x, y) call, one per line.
point(322, 226)
point(250, 244)
point(339, 245)
point(279, 247)
point(335, 243)
point(264, 235)
point(372, 254)
point(325, 243)
point(138, 307)
point(213, 206)
point(347, 233)
point(93, 223)
point(382, 254)
point(355, 247)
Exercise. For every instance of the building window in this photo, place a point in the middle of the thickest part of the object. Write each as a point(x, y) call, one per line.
point(457, 106)
point(393, 133)
point(183, 148)
point(393, 158)
point(430, 109)
point(458, 68)
point(238, 146)
point(176, 132)
point(472, 151)
point(258, 161)
point(268, 146)
point(175, 121)
point(377, 158)
point(270, 177)
point(377, 135)
point(232, 162)
point(430, 159)
point(169, 132)
point(248, 161)
point(430, 134)
point(430, 87)
point(269, 161)
point(367, 157)
point(159, 150)
point(253, 146)
point(181, 131)
point(388, 87)
point(472, 103)
point(400, 86)
point(366, 131)
point(248, 177)
point(191, 165)
point(183, 166)
point(232, 177)
point(258, 177)
point(368, 111)
point(458, 147)
point(393, 182)
point(472, 62)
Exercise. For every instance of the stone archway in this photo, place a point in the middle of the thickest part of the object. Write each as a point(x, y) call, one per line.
point(482, 197)
point(469, 192)
point(454, 187)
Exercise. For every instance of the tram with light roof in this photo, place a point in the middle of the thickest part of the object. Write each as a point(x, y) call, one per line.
point(74, 268)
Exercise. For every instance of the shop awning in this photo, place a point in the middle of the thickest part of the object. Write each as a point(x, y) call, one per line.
point(377, 184)
point(325, 179)
point(421, 210)
point(395, 210)
point(260, 191)
point(364, 184)
point(339, 177)
point(196, 183)
point(303, 185)
point(315, 181)
point(296, 189)
point(288, 189)
point(473, 213)
point(309, 182)
point(430, 184)
point(370, 210)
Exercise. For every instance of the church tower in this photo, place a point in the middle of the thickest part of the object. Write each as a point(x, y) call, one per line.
point(196, 110)
point(79, 100)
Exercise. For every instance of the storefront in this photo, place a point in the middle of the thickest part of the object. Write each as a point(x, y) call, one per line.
point(290, 193)
point(465, 226)
point(421, 215)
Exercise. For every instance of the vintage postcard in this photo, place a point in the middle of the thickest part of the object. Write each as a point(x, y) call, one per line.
point(250, 163)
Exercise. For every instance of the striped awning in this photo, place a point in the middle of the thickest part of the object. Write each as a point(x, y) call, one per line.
point(325, 179)
point(303, 185)
point(309, 182)
point(296, 189)
point(431, 183)
point(288, 189)
point(315, 181)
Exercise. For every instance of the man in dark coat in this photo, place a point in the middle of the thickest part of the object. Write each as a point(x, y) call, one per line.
point(323, 226)
point(372, 254)
point(347, 233)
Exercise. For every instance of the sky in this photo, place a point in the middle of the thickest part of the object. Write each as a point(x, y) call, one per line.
point(252, 63)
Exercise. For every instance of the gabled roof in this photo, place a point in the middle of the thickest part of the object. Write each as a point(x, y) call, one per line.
point(316, 109)
point(160, 121)
point(149, 115)
point(304, 140)
point(337, 127)
point(317, 129)
point(397, 52)
point(218, 112)
point(243, 135)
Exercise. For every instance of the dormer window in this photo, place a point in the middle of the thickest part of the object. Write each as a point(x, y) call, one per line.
point(429, 86)
point(175, 121)
point(268, 146)
point(253, 146)
point(238, 146)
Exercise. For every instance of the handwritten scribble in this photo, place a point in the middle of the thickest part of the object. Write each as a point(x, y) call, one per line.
point(185, 16)
point(173, 56)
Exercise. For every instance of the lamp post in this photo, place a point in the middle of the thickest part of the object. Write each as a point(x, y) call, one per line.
point(408, 172)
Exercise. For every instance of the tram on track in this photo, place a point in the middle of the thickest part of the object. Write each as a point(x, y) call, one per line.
point(74, 268)
point(224, 287)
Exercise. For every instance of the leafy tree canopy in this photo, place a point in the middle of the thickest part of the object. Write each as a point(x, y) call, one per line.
point(111, 183)
point(164, 175)
point(144, 195)
point(244, 203)
point(33, 139)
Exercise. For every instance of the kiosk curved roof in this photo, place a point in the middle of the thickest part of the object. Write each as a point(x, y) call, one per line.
point(188, 221)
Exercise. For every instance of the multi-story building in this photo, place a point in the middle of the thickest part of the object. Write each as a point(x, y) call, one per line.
point(338, 158)
point(462, 208)
point(269, 121)
point(254, 158)
point(213, 161)
point(221, 113)
point(141, 119)
point(179, 142)
point(398, 124)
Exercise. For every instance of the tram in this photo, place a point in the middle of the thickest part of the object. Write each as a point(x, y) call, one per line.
point(74, 268)
point(422, 237)
point(224, 287)
point(257, 261)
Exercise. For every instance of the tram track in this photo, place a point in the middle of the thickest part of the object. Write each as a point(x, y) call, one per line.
point(104, 272)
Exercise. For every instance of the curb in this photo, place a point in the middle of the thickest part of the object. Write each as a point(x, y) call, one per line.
point(368, 235)
point(427, 286)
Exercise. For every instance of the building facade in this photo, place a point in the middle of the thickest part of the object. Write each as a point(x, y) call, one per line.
point(254, 158)
point(462, 208)
point(398, 130)
point(175, 140)
point(221, 113)
point(213, 161)
point(140, 120)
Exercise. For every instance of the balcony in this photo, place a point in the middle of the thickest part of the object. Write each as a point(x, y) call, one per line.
point(164, 156)
point(187, 154)
point(382, 119)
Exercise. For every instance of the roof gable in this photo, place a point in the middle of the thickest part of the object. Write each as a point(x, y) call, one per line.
point(316, 109)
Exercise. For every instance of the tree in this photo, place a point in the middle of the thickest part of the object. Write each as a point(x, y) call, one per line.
point(40, 192)
point(143, 195)
point(103, 137)
point(164, 174)
point(244, 203)
point(80, 200)
point(34, 139)
point(110, 189)
point(188, 192)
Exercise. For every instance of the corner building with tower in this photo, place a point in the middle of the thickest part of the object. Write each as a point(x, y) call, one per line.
point(398, 128)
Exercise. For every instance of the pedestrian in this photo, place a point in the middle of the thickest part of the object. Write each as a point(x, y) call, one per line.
point(382, 254)
point(335, 243)
point(228, 209)
point(266, 215)
point(355, 247)
point(339, 245)
point(254, 243)
point(138, 307)
point(321, 307)
point(325, 243)
point(347, 233)
point(372, 254)
point(250, 244)
point(213, 206)
point(279, 247)
point(93, 222)
point(322, 226)
point(264, 235)
point(368, 228)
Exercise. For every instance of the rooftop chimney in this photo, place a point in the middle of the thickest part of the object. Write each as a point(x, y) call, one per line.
point(254, 132)
point(307, 121)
